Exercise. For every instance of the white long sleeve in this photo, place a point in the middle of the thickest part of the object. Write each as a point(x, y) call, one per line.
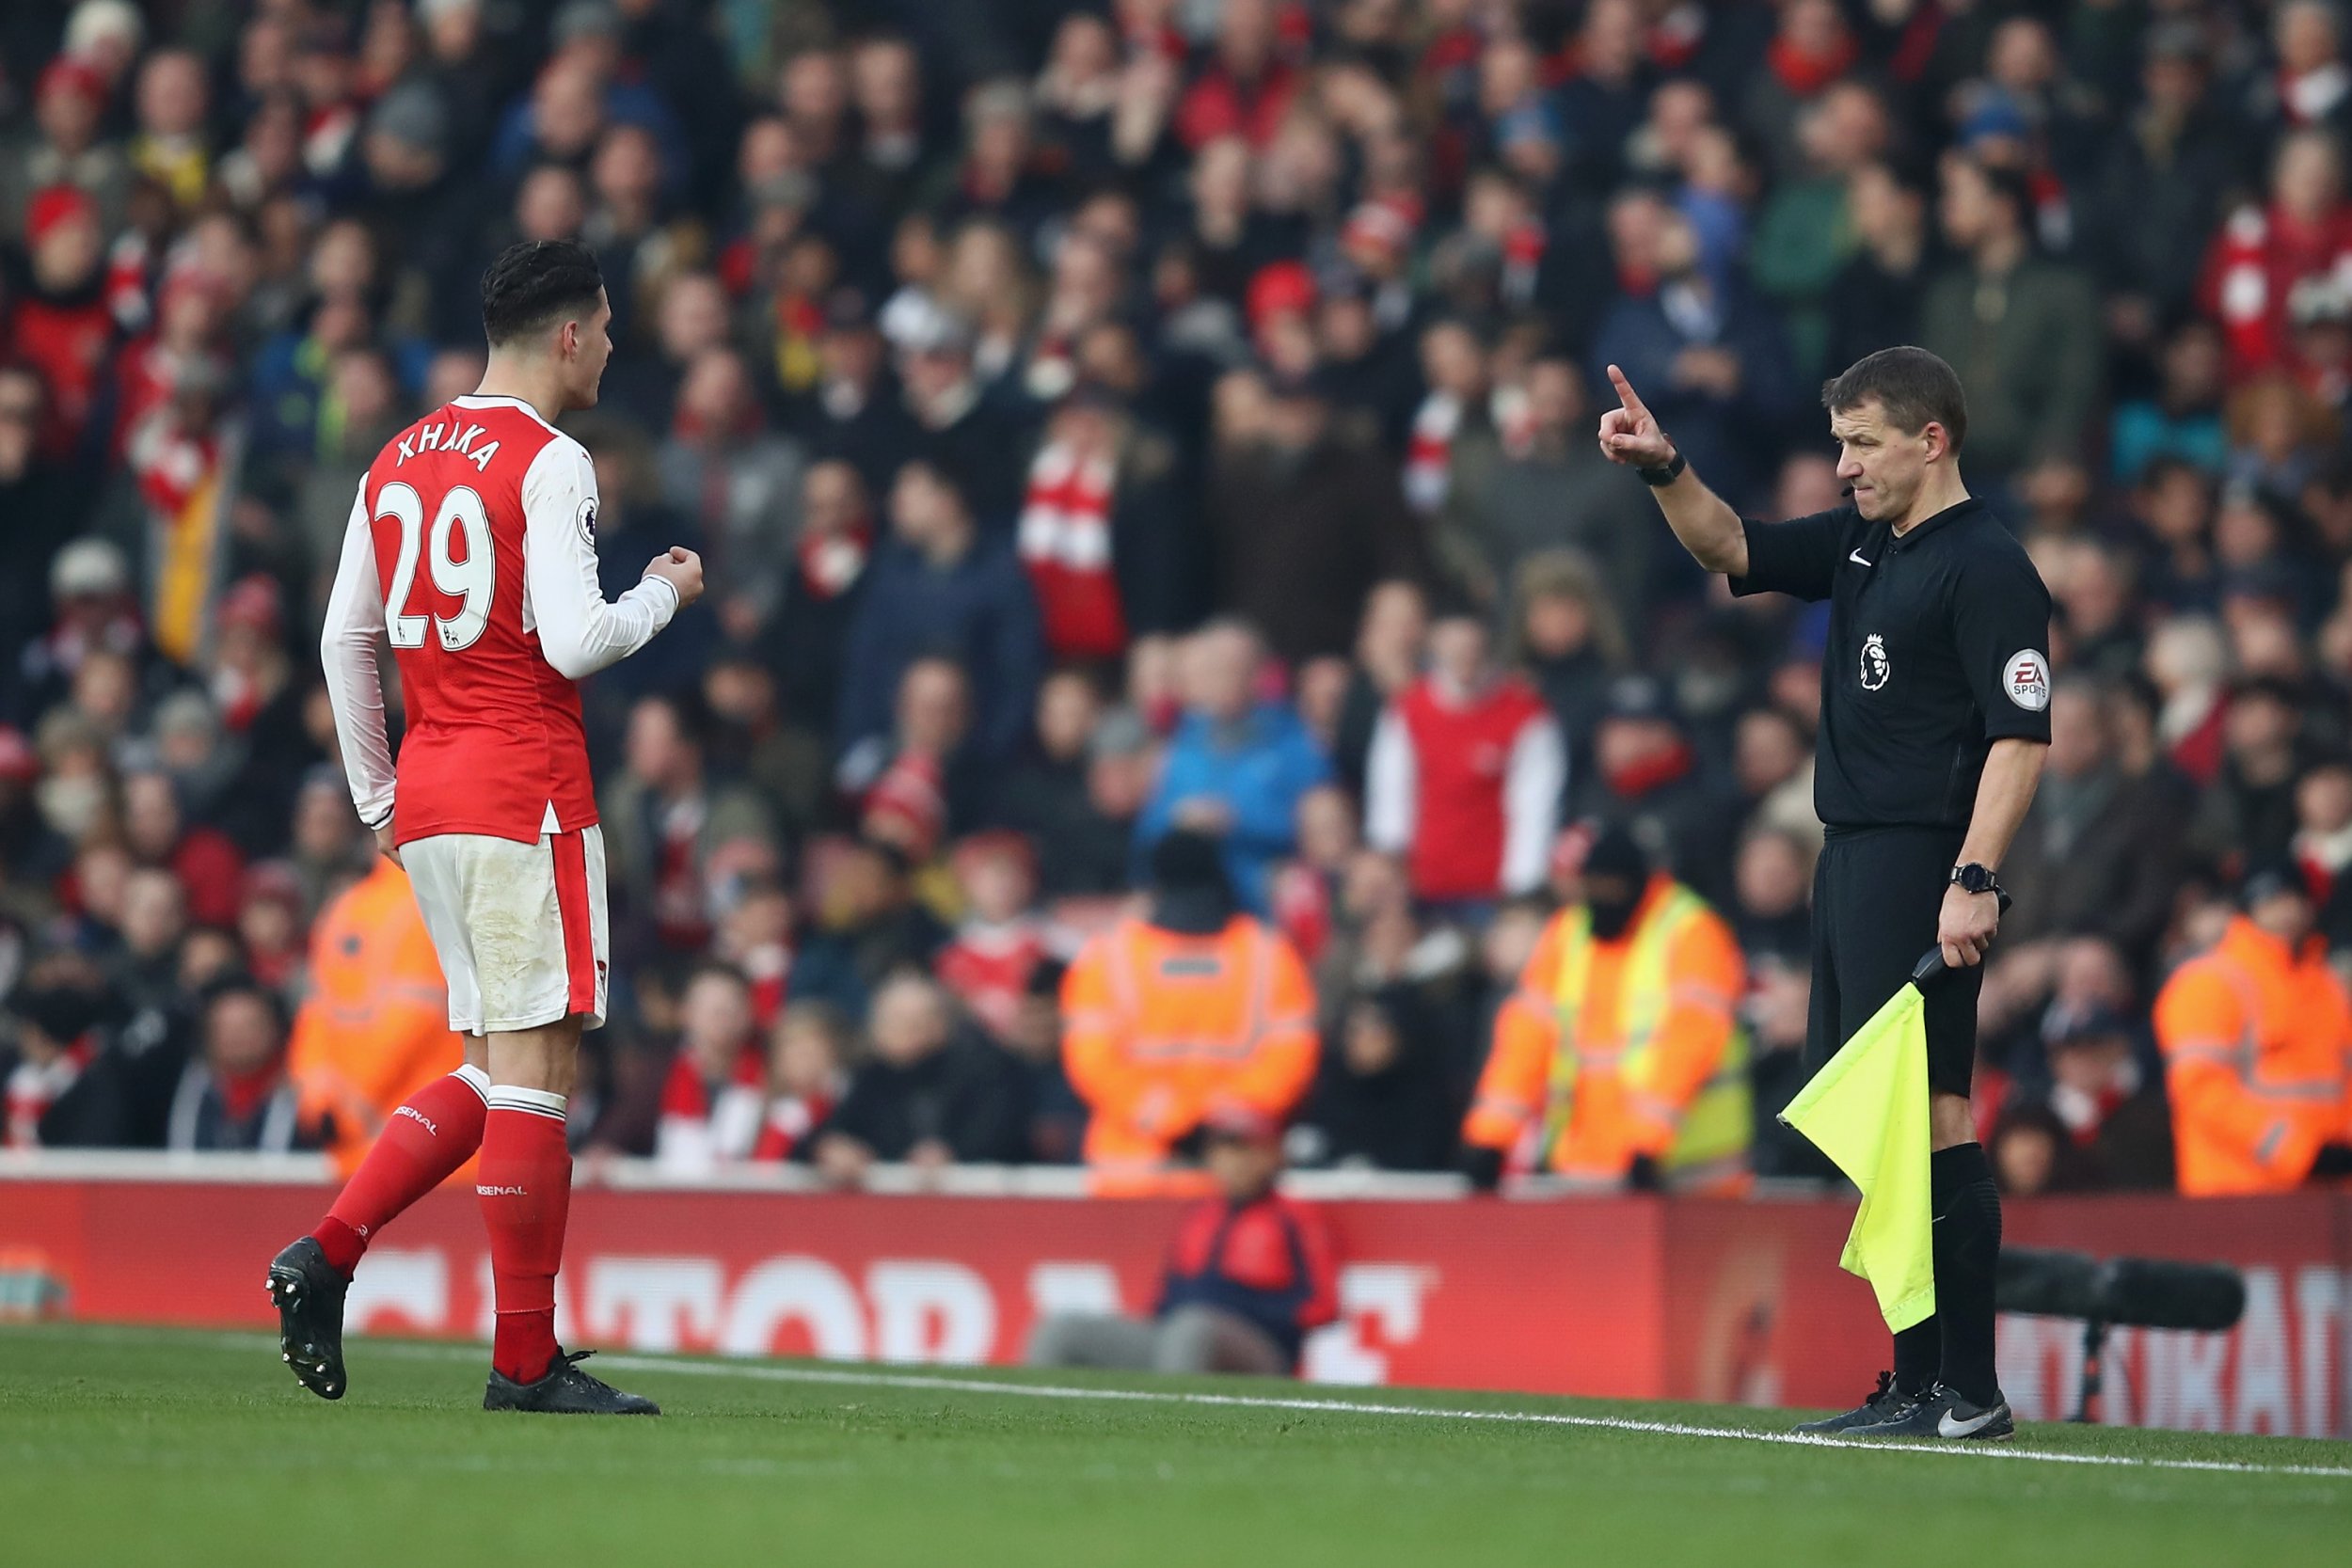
point(1531, 802)
point(580, 632)
point(354, 620)
point(1389, 785)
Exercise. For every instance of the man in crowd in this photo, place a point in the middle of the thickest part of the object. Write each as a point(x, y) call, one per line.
point(1168, 1013)
point(236, 1095)
point(942, 588)
point(1620, 1061)
point(1249, 1274)
point(1238, 762)
point(933, 1092)
point(1466, 772)
point(2257, 1041)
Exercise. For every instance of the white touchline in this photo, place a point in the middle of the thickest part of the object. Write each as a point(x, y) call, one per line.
point(760, 1373)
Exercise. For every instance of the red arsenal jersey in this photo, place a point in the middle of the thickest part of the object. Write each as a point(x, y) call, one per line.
point(472, 549)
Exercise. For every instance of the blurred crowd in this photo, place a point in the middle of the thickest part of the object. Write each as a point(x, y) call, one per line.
point(1102, 417)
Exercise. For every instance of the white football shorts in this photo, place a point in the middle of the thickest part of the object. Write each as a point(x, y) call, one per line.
point(520, 929)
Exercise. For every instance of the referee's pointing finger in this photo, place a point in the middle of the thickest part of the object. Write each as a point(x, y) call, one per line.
point(1625, 394)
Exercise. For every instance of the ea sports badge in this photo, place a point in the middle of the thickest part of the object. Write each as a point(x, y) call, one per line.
point(2026, 679)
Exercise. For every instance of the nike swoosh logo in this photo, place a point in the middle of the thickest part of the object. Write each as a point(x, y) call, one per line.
point(1946, 1427)
point(1856, 556)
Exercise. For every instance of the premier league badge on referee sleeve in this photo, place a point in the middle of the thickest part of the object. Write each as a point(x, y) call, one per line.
point(1875, 666)
point(2026, 679)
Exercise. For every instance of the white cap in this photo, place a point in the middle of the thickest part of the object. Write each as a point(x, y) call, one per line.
point(97, 20)
point(89, 567)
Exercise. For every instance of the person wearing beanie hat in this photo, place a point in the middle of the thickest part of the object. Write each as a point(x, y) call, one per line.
point(1184, 1006)
point(1191, 892)
point(1620, 1059)
point(59, 324)
point(1645, 775)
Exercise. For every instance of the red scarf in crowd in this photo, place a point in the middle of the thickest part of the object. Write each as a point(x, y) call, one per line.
point(791, 1117)
point(1674, 41)
point(1523, 250)
point(1429, 450)
point(729, 1110)
point(1805, 74)
point(684, 1094)
point(769, 968)
point(989, 967)
point(127, 280)
point(32, 1089)
point(1065, 545)
point(244, 1094)
point(831, 564)
point(1635, 780)
point(170, 461)
point(1301, 898)
point(907, 804)
point(681, 913)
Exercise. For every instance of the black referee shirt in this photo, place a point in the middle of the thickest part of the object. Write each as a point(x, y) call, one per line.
point(1938, 646)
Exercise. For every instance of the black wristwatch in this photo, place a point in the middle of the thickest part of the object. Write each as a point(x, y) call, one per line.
point(1974, 878)
point(1658, 479)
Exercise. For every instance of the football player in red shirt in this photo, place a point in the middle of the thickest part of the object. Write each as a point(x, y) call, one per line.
point(472, 549)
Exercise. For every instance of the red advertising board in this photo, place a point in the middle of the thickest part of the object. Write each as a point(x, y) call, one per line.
point(1636, 1298)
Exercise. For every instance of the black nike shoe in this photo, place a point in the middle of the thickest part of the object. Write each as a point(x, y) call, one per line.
point(1945, 1416)
point(1887, 1404)
point(565, 1391)
point(308, 1296)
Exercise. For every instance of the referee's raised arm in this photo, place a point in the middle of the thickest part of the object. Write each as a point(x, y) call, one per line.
point(1704, 523)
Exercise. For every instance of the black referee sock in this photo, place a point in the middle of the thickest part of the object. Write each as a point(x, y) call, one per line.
point(1918, 1356)
point(1967, 1210)
point(1919, 1348)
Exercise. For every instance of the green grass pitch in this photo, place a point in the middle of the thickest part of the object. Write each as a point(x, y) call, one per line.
point(137, 1446)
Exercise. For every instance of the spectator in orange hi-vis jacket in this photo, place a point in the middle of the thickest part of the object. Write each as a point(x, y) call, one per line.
point(2257, 1041)
point(375, 1027)
point(1620, 1062)
point(1192, 1003)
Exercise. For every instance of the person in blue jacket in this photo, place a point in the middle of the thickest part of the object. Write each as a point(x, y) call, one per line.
point(1237, 765)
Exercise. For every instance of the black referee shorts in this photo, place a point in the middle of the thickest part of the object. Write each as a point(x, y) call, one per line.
point(1877, 894)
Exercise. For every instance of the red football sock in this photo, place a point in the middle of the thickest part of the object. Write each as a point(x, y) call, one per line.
point(434, 1134)
point(525, 1184)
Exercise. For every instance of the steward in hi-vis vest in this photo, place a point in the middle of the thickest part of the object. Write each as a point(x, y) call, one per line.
point(1620, 1062)
point(1195, 1003)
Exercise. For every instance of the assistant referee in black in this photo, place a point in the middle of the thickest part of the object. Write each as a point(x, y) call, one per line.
point(1935, 715)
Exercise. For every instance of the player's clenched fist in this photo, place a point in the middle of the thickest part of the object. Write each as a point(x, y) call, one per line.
point(682, 569)
point(1629, 433)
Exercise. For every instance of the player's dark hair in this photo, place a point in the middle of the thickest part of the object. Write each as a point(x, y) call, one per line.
point(535, 283)
point(1912, 388)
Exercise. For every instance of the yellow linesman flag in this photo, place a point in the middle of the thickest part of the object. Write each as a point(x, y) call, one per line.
point(1868, 1111)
